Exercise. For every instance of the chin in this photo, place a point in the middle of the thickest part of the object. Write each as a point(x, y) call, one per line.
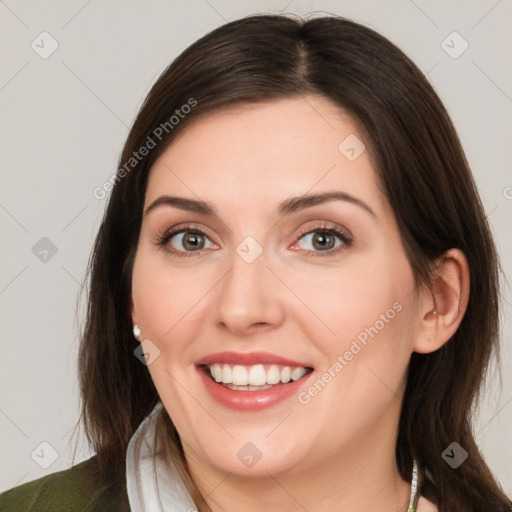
point(252, 455)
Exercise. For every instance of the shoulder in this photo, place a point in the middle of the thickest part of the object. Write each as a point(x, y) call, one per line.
point(77, 489)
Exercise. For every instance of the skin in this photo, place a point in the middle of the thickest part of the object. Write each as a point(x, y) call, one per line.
point(245, 160)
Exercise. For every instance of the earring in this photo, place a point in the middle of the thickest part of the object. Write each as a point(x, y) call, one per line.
point(136, 331)
point(435, 312)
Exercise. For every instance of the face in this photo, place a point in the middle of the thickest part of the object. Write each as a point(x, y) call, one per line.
point(280, 329)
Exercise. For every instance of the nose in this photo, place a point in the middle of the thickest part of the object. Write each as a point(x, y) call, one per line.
point(251, 297)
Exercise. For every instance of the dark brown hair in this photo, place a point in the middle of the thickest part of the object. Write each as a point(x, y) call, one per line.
point(422, 170)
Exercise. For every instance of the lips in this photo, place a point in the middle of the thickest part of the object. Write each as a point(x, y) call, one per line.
point(250, 358)
point(251, 381)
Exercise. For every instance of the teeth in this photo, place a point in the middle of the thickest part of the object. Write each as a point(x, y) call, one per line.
point(240, 376)
point(257, 375)
point(217, 373)
point(247, 388)
point(227, 374)
point(273, 375)
point(286, 374)
point(297, 373)
point(254, 377)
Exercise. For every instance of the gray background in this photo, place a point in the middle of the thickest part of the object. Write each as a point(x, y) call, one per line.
point(64, 120)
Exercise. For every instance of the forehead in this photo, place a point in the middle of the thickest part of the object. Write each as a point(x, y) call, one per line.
point(267, 151)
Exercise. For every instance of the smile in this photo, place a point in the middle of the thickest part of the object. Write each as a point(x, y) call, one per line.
point(252, 381)
point(256, 377)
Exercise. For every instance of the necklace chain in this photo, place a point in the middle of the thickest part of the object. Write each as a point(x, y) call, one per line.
point(414, 488)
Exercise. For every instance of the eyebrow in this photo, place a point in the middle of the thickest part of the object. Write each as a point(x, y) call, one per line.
point(288, 206)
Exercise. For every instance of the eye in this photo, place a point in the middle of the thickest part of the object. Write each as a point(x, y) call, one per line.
point(191, 241)
point(323, 241)
point(185, 241)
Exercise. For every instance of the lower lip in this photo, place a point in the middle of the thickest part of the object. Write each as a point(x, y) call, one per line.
point(251, 400)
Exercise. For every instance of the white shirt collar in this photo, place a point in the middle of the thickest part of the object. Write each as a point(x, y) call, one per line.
point(152, 485)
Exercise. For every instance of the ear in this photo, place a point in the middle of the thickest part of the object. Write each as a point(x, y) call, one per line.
point(442, 306)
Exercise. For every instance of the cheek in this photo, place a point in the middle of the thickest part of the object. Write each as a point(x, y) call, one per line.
point(362, 324)
point(166, 300)
point(355, 301)
point(168, 305)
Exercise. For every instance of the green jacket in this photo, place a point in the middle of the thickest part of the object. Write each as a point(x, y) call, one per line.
point(77, 489)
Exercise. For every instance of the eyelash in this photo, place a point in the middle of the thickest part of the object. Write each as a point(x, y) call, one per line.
point(164, 239)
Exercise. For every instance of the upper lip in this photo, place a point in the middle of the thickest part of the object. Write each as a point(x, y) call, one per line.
point(249, 359)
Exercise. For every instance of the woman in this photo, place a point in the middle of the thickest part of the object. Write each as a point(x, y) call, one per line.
point(293, 293)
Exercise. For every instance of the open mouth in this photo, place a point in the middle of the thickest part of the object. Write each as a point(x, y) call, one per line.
point(256, 377)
